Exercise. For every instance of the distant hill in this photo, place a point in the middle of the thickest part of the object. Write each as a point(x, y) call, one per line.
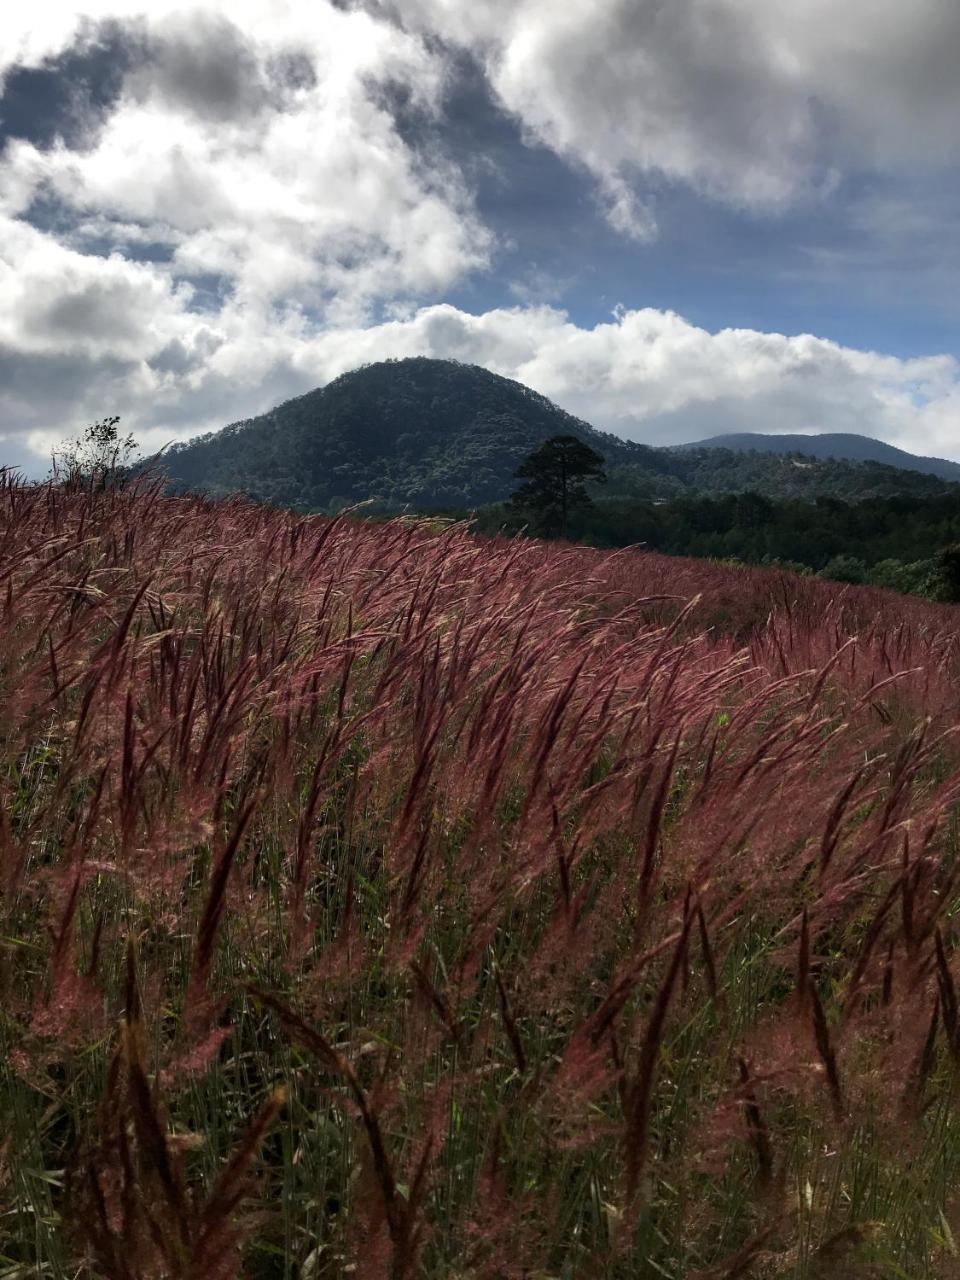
point(428, 434)
point(847, 447)
point(423, 432)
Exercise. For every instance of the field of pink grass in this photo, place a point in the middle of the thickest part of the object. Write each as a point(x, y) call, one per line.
point(381, 901)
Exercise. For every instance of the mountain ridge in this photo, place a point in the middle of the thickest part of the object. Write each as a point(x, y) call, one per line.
point(429, 434)
point(847, 446)
point(411, 431)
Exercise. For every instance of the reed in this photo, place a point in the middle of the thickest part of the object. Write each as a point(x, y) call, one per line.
point(377, 900)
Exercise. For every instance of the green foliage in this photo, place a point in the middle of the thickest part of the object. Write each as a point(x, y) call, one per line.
point(916, 578)
point(847, 446)
point(948, 572)
point(428, 434)
point(554, 477)
point(99, 457)
point(795, 475)
point(844, 568)
point(891, 542)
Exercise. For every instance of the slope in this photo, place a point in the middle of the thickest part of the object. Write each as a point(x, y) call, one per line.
point(418, 431)
point(847, 447)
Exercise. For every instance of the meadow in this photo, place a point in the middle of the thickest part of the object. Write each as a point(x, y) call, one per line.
point(384, 901)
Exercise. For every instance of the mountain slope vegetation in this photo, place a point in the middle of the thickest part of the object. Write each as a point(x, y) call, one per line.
point(430, 434)
point(418, 431)
point(843, 446)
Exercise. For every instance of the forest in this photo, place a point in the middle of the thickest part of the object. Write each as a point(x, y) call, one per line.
point(892, 541)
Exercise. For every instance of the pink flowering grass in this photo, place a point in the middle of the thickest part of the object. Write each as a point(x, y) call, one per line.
point(382, 901)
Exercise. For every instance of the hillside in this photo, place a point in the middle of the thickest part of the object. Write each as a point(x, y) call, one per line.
point(844, 446)
point(426, 434)
point(720, 471)
point(422, 432)
point(375, 891)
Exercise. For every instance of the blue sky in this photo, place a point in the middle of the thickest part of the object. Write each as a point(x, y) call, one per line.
point(674, 218)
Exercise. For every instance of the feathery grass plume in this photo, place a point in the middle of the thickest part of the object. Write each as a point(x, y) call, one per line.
point(948, 999)
point(128, 1198)
point(216, 1235)
point(349, 763)
point(803, 962)
point(400, 1214)
point(213, 910)
point(916, 1082)
point(825, 1047)
point(709, 966)
point(510, 1023)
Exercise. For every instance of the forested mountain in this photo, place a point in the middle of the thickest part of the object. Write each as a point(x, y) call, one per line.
point(432, 434)
point(844, 446)
point(721, 471)
point(422, 432)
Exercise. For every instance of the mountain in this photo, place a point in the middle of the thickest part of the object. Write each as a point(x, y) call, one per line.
point(430, 433)
point(423, 432)
point(846, 447)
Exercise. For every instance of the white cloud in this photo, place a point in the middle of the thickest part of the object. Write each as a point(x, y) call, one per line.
point(646, 375)
point(252, 145)
point(756, 102)
point(265, 155)
point(55, 301)
point(760, 103)
point(652, 376)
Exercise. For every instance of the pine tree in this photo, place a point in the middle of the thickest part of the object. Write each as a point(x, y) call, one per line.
point(554, 475)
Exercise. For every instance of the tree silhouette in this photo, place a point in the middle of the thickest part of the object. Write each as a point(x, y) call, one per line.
point(555, 475)
point(97, 458)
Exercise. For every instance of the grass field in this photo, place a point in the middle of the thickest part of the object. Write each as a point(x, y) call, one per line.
point(378, 901)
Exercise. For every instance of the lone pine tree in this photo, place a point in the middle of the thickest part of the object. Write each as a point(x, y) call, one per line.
point(554, 476)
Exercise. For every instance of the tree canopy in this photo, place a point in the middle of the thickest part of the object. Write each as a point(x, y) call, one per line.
point(555, 476)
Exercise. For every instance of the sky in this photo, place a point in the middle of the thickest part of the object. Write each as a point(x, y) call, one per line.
point(675, 218)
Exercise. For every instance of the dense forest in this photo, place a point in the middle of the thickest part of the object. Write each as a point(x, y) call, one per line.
point(792, 475)
point(422, 433)
point(411, 432)
point(882, 541)
point(831, 444)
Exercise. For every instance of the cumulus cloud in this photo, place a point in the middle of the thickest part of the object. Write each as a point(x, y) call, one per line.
point(652, 376)
point(646, 375)
point(759, 103)
point(263, 154)
point(231, 220)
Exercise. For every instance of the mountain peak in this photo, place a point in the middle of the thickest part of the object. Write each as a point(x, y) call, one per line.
point(417, 430)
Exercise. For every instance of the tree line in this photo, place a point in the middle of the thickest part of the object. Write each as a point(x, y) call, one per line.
point(908, 543)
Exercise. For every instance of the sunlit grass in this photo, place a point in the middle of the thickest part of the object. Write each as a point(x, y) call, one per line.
point(382, 901)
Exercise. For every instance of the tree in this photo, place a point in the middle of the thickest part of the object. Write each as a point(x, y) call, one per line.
point(948, 573)
point(845, 568)
point(555, 475)
point(98, 458)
